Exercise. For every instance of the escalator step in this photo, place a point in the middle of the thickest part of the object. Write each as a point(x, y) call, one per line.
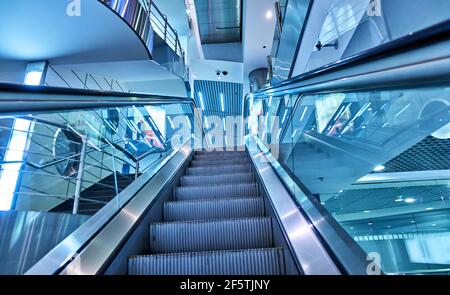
point(207, 163)
point(237, 168)
point(214, 153)
point(217, 179)
point(229, 234)
point(217, 191)
point(213, 209)
point(219, 157)
point(241, 262)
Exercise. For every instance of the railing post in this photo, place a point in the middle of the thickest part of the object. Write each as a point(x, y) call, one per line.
point(165, 27)
point(136, 174)
point(177, 43)
point(76, 201)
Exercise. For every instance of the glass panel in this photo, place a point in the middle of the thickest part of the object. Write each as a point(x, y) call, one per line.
point(379, 162)
point(59, 168)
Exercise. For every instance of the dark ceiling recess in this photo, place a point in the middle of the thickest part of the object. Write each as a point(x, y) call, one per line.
point(219, 21)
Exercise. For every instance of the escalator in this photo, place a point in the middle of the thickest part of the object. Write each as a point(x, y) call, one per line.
point(216, 224)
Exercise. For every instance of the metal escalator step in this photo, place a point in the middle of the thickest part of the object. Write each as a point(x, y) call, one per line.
point(213, 153)
point(207, 163)
point(219, 157)
point(237, 168)
point(229, 234)
point(213, 209)
point(241, 262)
point(217, 179)
point(217, 191)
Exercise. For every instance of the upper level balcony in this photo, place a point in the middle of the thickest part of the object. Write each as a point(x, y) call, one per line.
point(154, 29)
point(106, 45)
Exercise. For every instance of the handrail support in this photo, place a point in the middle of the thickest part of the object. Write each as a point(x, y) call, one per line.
point(76, 200)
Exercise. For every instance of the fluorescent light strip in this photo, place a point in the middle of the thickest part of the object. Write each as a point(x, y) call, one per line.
point(202, 103)
point(222, 100)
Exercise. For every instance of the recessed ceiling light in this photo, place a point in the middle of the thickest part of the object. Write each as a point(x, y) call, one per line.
point(434, 224)
point(429, 208)
point(352, 227)
point(388, 226)
point(399, 200)
point(367, 211)
point(370, 223)
point(410, 200)
point(379, 168)
point(269, 14)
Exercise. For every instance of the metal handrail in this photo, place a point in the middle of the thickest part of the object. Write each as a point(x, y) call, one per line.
point(167, 28)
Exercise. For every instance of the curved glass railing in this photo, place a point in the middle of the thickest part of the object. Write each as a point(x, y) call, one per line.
point(365, 153)
point(153, 27)
point(60, 168)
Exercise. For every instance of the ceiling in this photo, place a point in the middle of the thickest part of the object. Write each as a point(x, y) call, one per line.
point(219, 21)
point(28, 33)
point(429, 154)
point(257, 37)
point(211, 91)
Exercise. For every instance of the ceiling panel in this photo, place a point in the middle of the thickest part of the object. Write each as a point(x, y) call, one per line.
point(211, 91)
point(219, 21)
point(430, 154)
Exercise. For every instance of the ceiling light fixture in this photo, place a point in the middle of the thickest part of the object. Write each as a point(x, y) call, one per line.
point(410, 200)
point(269, 14)
point(222, 101)
point(379, 168)
point(202, 103)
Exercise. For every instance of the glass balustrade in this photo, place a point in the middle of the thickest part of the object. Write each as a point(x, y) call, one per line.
point(58, 169)
point(377, 162)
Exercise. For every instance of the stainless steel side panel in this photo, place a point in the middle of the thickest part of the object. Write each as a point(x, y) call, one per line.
point(305, 244)
point(90, 260)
